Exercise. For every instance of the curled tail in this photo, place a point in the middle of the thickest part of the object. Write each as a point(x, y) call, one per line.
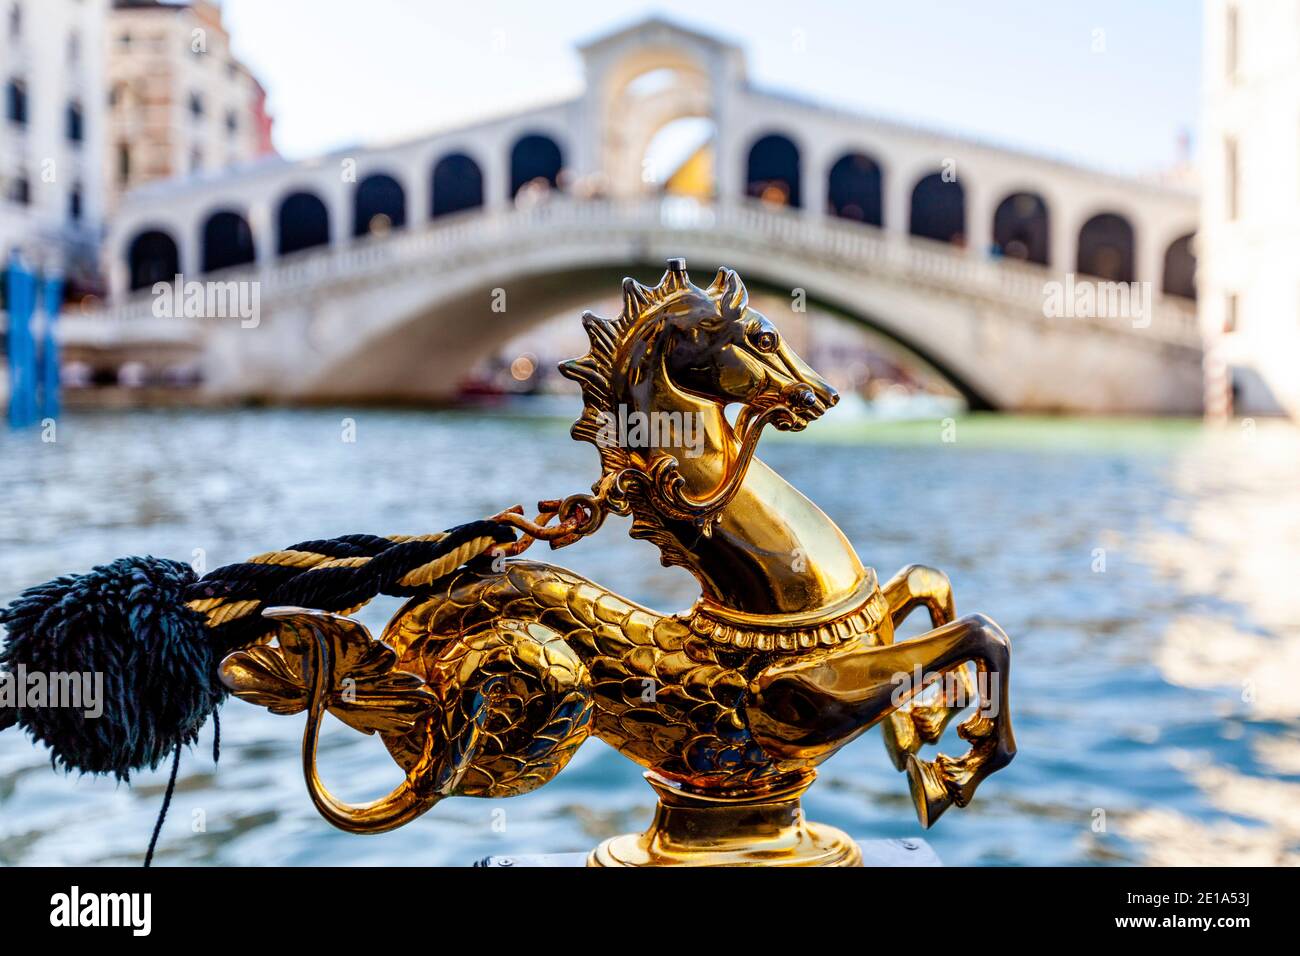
point(499, 712)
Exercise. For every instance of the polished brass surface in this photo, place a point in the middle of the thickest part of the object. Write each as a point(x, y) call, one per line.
point(486, 683)
point(766, 830)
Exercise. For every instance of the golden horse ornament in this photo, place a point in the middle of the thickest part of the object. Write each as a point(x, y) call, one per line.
point(488, 682)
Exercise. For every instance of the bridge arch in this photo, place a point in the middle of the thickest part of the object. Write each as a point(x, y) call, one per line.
point(772, 170)
point(426, 345)
point(227, 241)
point(535, 158)
point(302, 222)
point(657, 123)
point(457, 185)
point(152, 256)
point(1107, 248)
point(378, 205)
point(1022, 228)
point(1179, 273)
point(855, 189)
point(939, 209)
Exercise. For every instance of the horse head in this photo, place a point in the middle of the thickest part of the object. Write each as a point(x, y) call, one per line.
point(678, 349)
point(720, 349)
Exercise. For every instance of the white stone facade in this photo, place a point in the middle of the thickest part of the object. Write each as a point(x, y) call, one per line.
point(51, 133)
point(1249, 242)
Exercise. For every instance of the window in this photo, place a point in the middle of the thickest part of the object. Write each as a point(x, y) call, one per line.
point(15, 20)
point(1230, 313)
point(124, 40)
point(196, 106)
point(73, 123)
point(16, 102)
point(74, 203)
point(196, 160)
point(20, 190)
point(123, 163)
point(232, 123)
point(1231, 179)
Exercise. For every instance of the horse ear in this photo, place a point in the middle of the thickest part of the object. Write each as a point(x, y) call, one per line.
point(719, 282)
point(729, 288)
point(635, 298)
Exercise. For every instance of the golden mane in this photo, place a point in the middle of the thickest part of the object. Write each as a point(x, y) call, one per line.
point(643, 313)
point(642, 305)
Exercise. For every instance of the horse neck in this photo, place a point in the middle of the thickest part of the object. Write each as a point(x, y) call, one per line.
point(771, 551)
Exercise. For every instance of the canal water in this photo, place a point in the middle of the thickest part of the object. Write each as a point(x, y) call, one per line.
point(1146, 572)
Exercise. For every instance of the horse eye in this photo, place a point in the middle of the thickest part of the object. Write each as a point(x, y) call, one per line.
point(765, 340)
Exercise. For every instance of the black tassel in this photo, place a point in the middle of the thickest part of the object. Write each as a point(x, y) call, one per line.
point(125, 624)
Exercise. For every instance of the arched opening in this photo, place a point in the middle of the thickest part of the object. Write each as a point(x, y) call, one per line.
point(1106, 248)
point(302, 222)
point(227, 241)
point(378, 205)
point(1180, 268)
point(865, 353)
point(535, 159)
point(152, 257)
point(772, 171)
point(939, 209)
point(1020, 228)
point(656, 106)
point(457, 185)
point(679, 158)
point(854, 190)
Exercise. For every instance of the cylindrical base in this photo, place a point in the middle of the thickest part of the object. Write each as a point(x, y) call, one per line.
point(694, 830)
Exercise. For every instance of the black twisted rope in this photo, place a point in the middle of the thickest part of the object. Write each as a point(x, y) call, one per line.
point(376, 565)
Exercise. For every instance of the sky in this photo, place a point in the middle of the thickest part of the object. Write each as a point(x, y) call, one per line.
point(1111, 84)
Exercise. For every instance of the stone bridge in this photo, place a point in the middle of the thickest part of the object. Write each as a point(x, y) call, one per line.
point(387, 272)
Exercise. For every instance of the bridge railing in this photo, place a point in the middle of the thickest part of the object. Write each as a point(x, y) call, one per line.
point(446, 242)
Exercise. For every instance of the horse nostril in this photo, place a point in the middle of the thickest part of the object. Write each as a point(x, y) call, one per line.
point(832, 397)
point(806, 397)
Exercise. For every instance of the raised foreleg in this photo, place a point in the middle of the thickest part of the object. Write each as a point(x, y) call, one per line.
point(811, 706)
point(922, 721)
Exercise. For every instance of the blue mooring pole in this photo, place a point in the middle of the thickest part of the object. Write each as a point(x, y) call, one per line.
point(52, 288)
point(22, 352)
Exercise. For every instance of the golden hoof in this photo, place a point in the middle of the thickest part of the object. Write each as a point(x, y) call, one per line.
point(929, 794)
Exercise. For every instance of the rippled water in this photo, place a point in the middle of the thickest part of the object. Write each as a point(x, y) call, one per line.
point(1156, 696)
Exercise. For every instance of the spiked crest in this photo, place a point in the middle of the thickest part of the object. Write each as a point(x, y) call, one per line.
point(594, 372)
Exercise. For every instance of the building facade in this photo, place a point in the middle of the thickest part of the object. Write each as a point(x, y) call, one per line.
point(1249, 239)
point(179, 102)
point(51, 136)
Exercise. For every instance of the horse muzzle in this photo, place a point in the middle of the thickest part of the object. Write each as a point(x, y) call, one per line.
point(804, 402)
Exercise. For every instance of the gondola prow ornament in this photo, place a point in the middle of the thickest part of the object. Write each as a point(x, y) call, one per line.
point(498, 668)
